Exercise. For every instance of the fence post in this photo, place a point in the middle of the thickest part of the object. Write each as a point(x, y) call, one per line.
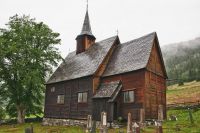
point(129, 123)
point(190, 116)
point(103, 122)
point(89, 124)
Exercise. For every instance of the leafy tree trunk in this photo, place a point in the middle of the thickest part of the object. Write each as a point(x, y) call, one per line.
point(20, 115)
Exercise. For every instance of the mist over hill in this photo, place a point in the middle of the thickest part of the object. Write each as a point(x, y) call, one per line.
point(182, 60)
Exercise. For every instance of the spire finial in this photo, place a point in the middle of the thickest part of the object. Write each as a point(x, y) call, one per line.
point(117, 31)
point(87, 6)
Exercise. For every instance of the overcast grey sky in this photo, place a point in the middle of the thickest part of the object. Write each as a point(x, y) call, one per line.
point(173, 20)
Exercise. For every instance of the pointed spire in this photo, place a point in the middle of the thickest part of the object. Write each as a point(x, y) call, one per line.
point(86, 29)
point(85, 39)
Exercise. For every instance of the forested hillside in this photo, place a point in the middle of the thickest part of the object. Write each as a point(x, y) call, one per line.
point(182, 61)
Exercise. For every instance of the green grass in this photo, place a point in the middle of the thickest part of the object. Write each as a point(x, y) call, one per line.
point(40, 129)
point(47, 129)
point(183, 123)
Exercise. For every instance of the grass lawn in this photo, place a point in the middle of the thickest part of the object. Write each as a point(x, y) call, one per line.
point(183, 124)
point(47, 129)
point(40, 129)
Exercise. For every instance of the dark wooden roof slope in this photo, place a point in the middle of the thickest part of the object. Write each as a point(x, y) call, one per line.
point(130, 56)
point(108, 90)
point(83, 64)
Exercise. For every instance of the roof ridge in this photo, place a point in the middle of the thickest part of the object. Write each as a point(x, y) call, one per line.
point(107, 38)
point(139, 38)
point(95, 43)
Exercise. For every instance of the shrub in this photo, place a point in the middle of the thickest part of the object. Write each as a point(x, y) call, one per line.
point(180, 83)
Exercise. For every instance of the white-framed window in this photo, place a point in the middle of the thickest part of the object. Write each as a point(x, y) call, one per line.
point(52, 89)
point(82, 97)
point(129, 96)
point(60, 99)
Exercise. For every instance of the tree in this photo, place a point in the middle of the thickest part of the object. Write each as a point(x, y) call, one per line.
point(2, 107)
point(27, 55)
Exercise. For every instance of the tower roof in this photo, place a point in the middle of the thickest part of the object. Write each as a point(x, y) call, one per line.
point(86, 29)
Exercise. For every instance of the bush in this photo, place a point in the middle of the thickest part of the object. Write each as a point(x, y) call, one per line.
point(180, 83)
point(119, 119)
point(27, 120)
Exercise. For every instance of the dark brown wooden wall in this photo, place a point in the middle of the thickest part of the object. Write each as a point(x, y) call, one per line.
point(102, 104)
point(130, 81)
point(83, 43)
point(71, 108)
point(155, 81)
point(155, 61)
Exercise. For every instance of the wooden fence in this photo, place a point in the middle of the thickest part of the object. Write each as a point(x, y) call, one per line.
point(184, 105)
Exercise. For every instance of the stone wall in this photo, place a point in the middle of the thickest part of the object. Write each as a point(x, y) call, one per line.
point(71, 122)
point(63, 122)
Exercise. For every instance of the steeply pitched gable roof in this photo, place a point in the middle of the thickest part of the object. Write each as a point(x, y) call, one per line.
point(130, 56)
point(83, 64)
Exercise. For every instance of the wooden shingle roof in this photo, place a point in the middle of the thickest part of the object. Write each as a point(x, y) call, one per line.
point(108, 90)
point(83, 64)
point(130, 56)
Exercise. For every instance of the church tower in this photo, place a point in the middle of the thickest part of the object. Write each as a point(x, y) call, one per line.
point(85, 39)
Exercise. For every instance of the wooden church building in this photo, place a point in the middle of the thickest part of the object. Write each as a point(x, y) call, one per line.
point(108, 76)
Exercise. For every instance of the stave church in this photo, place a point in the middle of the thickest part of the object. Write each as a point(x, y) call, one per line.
point(109, 76)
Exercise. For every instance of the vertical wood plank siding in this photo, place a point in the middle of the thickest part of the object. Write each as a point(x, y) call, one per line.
point(71, 108)
point(130, 81)
point(155, 81)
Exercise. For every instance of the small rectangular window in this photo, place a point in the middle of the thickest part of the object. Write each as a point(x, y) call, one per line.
point(82, 97)
point(52, 89)
point(128, 96)
point(60, 99)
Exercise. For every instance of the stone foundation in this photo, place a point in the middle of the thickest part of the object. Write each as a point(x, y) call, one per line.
point(63, 122)
point(71, 122)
